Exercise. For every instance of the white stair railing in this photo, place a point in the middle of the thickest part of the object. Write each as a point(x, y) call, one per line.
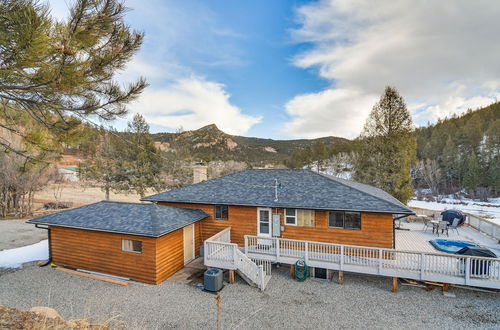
point(219, 253)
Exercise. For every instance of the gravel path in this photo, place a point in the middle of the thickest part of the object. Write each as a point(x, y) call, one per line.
point(18, 233)
point(362, 302)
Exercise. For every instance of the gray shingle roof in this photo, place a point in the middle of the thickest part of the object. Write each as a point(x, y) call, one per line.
point(127, 218)
point(298, 189)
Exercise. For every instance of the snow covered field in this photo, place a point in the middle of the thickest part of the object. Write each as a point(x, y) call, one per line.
point(489, 211)
point(14, 258)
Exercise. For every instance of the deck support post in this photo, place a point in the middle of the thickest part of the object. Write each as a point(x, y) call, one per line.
point(292, 272)
point(395, 287)
point(446, 287)
point(341, 277)
point(231, 276)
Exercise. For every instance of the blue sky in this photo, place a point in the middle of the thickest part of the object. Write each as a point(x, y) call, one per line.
point(294, 69)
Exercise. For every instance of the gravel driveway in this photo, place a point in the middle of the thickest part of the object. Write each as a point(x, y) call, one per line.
point(17, 233)
point(362, 302)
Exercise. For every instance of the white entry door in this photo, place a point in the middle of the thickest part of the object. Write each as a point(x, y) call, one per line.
point(264, 223)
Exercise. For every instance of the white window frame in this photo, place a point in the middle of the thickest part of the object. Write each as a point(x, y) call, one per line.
point(124, 249)
point(269, 210)
point(289, 216)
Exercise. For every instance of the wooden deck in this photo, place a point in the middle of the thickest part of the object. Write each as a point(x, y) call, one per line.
point(416, 239)
point(414, 258)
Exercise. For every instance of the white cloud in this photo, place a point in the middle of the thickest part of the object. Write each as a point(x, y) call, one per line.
point(191, 103)
point(333, 110)
point(441, 55)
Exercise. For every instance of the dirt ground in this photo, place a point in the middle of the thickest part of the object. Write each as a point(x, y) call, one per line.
point(18, 233)
point(77, 194)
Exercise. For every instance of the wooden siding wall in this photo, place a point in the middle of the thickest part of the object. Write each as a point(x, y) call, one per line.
point(102, 252)
point(376, 228)
point(241, 219)
point(170, 252)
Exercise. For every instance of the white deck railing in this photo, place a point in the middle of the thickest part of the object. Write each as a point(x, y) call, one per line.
point(444, 268)
point(220, 253)
point(484, 226)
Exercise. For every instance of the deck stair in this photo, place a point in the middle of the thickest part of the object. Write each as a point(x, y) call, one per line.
point(220, 253)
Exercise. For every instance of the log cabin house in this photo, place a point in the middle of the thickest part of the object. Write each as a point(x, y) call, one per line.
point(149, 242)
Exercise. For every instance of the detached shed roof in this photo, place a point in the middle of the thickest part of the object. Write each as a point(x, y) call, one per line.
point(296, 189)
point(126, 218)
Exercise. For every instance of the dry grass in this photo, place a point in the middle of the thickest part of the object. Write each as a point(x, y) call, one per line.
point(12, 318)
point(77, 194)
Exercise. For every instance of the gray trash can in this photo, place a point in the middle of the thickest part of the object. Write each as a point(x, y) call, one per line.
point(212, 279)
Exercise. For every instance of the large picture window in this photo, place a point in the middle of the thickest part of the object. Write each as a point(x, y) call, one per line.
point(345, 220)
point(296, 217)
point(221, 212)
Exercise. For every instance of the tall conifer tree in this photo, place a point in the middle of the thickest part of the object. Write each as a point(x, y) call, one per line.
point(388, 147)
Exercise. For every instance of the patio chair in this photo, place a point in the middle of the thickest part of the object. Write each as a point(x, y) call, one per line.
point(428, 224)
point(455, 225)
point(443, 226)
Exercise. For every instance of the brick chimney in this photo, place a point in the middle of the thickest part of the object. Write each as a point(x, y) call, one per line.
point(200, 173)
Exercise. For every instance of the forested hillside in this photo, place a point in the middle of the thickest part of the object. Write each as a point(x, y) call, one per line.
point(461, 153)
point(456, 154)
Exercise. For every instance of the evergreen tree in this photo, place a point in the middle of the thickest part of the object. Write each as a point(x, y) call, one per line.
point(472, 175)
point(388, 147)
point(141, 159)
point(319, 153)
point(103, 166)
point(58, 72)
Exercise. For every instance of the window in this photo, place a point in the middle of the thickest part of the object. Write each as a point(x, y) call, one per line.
point(129, 245)
point(291, 217)
point(221, 212)
point(304, 218)
point(345, 220)
point(336, 219)
point(352, 220)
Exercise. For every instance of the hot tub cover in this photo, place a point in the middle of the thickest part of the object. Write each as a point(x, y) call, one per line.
point(450, 215)
point(477, 251)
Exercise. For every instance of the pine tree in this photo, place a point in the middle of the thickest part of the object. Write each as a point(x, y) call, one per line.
point(472, 175)
point(103, 166)
point(141, 158)
point(319, 153)
point(61, 72)
point(387, 147)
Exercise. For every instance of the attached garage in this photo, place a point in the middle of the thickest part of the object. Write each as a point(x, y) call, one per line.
point(144, 242)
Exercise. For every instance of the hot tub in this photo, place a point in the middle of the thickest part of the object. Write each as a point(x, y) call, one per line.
point(450, 245)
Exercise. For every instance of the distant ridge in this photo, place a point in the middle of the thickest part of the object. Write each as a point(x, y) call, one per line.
point(210, 143)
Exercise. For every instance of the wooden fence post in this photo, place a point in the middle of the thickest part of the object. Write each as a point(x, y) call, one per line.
point(341, 277)
point(231, 276)
point(395, 288)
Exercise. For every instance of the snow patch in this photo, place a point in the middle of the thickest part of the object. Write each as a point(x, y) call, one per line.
point(489, 211)
point(14, 258)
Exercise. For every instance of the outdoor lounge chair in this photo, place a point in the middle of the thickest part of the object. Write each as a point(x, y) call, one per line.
point(455, 225)
point(443, 226)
